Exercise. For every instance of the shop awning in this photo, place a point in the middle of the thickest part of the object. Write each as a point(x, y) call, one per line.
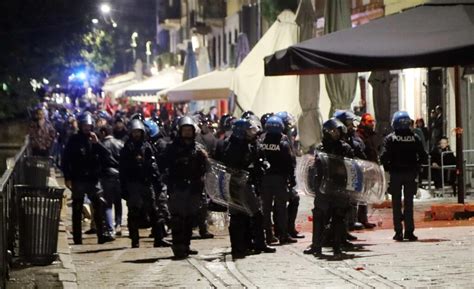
point(437, 34)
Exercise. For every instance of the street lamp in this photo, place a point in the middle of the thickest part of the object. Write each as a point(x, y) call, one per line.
point(105, 8)
point(95, 21)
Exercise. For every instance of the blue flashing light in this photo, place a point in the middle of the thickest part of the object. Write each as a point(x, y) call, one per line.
point(81, 75)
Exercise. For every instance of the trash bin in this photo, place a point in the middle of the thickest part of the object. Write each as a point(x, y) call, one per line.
point(37, 171)
point(39, 210)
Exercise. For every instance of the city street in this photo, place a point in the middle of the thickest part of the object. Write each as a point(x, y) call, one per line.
point(118, 115)
point(443, 258)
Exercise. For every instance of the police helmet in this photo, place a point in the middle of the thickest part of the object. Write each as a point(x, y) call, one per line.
point(247, 114)
point(240, 127)
point(345, 115)
point(137, 124)
point(255, 122)
point(274, 125)
point(228, 122)
point(401, 120)
point(138, 116)
point(104, 114)
point(205, 121)
point(332, 124)
point(87, 119)
point(152, 128)
point(222, 120)
point(287, 118)
point(265, 117)
point(186, 121)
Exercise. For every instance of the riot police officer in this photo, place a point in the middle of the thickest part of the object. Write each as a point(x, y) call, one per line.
point(348, 118)
point(328, 207)
point(242, 155)
point(278, 180)
point(206, 139)
point(225, 126)
point(140, 181)
point(81, 168)
point(402, 155)
point(185, 163)
point(294, 201)
point(158, 144)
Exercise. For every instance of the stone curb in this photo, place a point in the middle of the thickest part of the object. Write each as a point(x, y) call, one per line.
point(68, 276)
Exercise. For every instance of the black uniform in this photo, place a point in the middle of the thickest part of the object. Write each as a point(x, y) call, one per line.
point(246, 231)
point(82, 166)
point(358, 146)
point(329, 207)
point(140, 182)
point(402, 155)
point(277, 182)
point(186, 165)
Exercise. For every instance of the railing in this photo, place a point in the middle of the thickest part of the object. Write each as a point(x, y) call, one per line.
point(451, 167)
point(10, 177)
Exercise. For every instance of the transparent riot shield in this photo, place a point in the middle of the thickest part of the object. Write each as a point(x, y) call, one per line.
point(305, 174)
point(230, 188)
point(362, 181)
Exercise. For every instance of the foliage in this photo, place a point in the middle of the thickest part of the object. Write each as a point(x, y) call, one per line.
point(47, 40)
point(271, 8)
point(98, 52)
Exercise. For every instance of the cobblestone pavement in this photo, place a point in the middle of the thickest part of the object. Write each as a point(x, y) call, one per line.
point(443, 258)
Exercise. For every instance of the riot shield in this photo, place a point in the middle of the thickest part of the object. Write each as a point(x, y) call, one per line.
point(230, 188)
point(305, 174)
point(362, 181)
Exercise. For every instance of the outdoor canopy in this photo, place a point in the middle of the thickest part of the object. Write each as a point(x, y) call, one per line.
point(436, 34)
point(212, 85)
point(151, 86)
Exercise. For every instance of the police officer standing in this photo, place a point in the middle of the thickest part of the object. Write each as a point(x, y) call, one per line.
point(140, 180)
point(401, 156)
point(347, 118)
point(278, 180)
point(185, 164)
point(81, 168)
point(241, 153)
point(294, 201)
point(328, 207)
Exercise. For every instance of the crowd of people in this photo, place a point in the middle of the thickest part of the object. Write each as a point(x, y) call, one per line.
point(158, 165)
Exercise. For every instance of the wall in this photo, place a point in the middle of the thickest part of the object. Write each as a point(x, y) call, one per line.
point(234, 6)
point(395, 6)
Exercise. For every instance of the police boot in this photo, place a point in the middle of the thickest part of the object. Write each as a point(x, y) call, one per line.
point(410, 237)
point(270, 238)
point(312, 250)
point(134, 236)
point(206, 235)
point(158, 233)
point(362, 217)
point(287, 240)
point(180, 251)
